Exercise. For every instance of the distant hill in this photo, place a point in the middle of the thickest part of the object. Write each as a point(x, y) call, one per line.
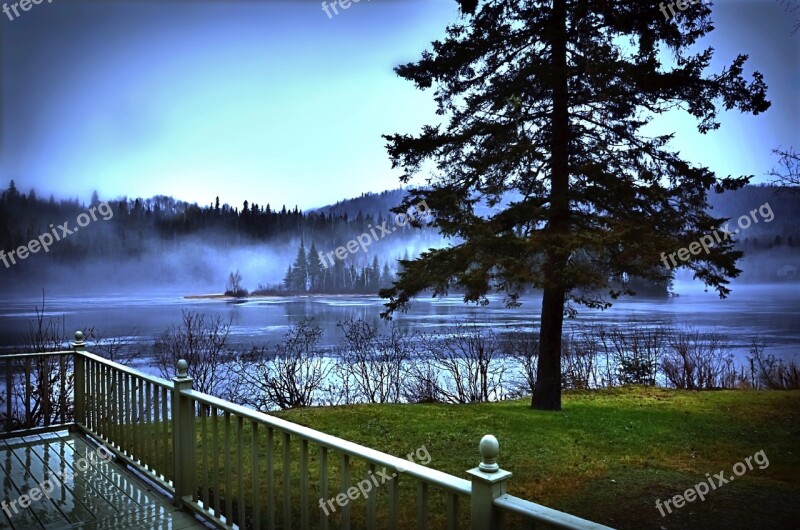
point(369, 204)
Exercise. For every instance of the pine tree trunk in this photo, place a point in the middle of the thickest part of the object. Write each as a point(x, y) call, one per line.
point(547, 394)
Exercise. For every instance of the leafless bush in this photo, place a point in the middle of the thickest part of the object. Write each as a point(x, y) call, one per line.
point(293, 376)
point(697, 361)
point(46, 334)
point(202, 342)
point(771, 372)
point(373, 362)
point(42, 387)
point(420, 382)
point(115, 349)
point(579, 352)
point(637, 353)
point(467, 366)
point(523, 347)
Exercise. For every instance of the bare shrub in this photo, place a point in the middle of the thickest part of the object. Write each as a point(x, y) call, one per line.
point(697, 361)
point(771, 372)
point(202, 342)
point(637, 353)
point(579, 351)
point(293, 376)
point(523, 347)
point(420, 381)
point(42, 387)
point(373, 362)
point(467, 365)
point(115, 349)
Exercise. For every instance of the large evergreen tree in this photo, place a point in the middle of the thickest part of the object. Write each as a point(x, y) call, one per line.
point(544, 103)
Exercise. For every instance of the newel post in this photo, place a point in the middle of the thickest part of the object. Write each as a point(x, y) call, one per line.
point(78, 362)
point(488, 483)
point(182, 435)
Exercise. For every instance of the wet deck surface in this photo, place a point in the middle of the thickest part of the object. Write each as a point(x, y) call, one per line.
point(77, 488)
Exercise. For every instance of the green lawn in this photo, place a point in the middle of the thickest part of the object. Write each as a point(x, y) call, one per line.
point(610, 453)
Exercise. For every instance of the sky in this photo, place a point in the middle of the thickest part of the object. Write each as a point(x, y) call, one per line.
point(280, 103)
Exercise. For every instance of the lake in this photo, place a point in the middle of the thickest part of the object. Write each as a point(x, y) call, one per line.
point(768, 312)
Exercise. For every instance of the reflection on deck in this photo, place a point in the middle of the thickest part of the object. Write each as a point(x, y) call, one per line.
point(85, 490)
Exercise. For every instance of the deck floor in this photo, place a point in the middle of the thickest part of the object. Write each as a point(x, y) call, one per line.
point(86, 491)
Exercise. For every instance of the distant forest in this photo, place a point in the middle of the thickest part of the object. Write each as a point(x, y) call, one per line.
point(144, 226)
point(155, 225)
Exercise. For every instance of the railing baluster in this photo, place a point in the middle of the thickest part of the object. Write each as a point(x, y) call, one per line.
point(345, 487)
point(128, 436)
point(304, 484)
point(62, 394)
point(215, 463)
point(135, 418)
point(240, 471)
point(90, 394)
point(165, 424)
point(158, 456)
point(148, 424)
point(118, 378)
point(28, 393)
point(109, 384)
point(9, 394)
point(128, 415)
point(372, 500)
point(121, 434)
point(105, 374)
point(203, 464)
point(87, 400)
point(227, 470)
point(323, 484)
point(422, 505)
point(45, 393)
point(99, 398)
point(103, 399)
point(287, 482)
point(141, 426)
point(270, 453)
point(452, 511)
point(255, 475)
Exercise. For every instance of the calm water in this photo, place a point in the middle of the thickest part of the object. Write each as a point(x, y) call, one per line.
point(769, 312)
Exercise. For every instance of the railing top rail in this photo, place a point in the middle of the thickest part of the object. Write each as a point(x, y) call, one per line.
point(541, 514)
point(128, 370)
point(420, 472)
point(13, 356)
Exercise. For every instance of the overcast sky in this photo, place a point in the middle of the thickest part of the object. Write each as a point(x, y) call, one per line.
point(275, 102)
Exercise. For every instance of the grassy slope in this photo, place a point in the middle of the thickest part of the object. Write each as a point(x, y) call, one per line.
point(609, 454)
